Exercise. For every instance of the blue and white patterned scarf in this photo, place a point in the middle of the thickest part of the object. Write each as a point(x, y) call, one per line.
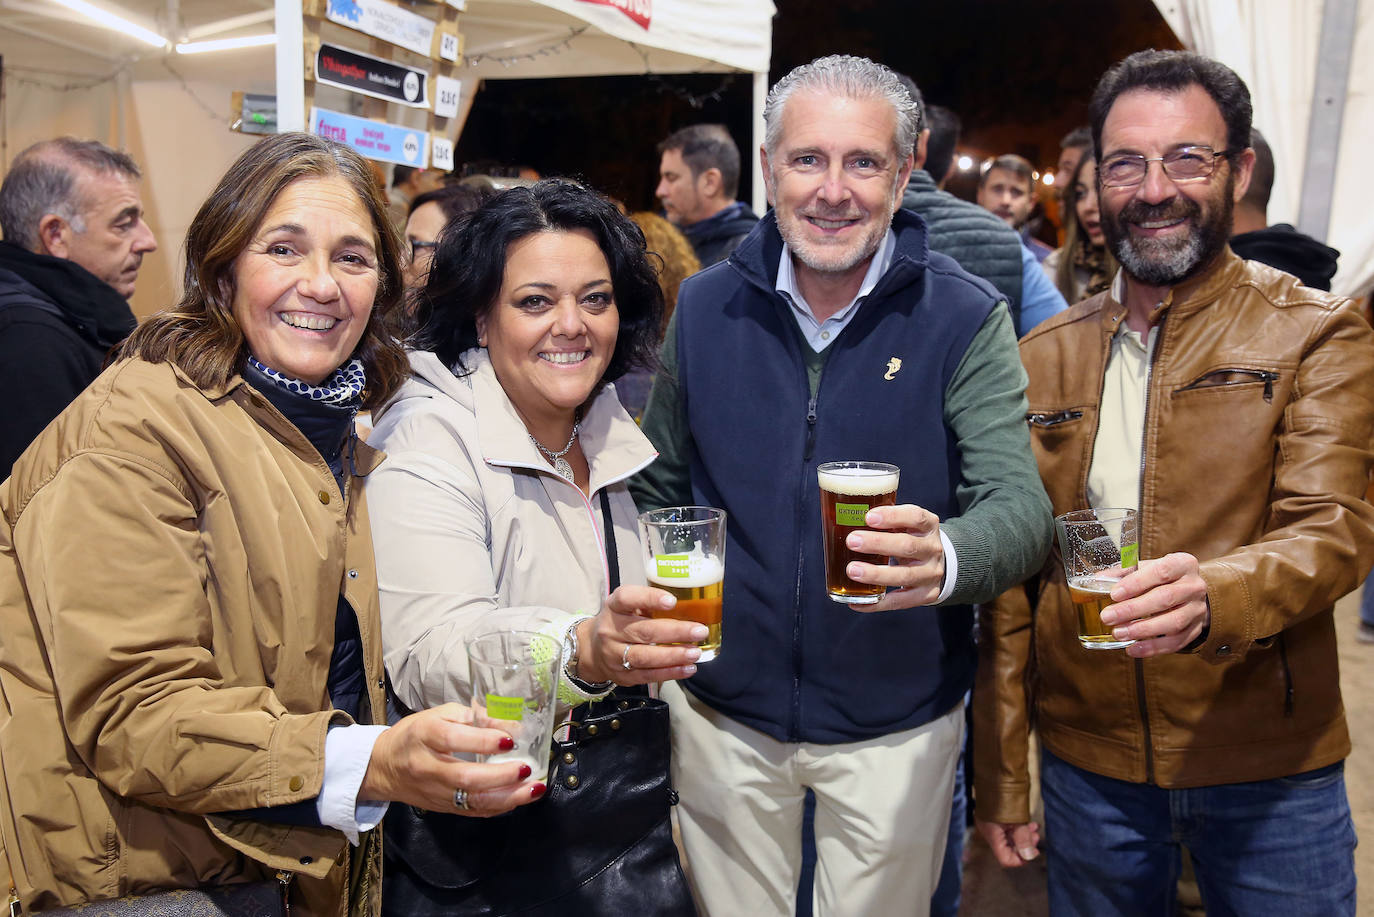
point(345, 384)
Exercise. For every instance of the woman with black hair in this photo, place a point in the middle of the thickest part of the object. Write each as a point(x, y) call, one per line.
point(503, 502)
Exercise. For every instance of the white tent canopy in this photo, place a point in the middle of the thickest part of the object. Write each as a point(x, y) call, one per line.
point(1310, 69)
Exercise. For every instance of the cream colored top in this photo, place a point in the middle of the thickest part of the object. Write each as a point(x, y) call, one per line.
point(1114, 476)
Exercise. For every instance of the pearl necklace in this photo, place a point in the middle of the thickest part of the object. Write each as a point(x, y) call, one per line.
point(560, 464)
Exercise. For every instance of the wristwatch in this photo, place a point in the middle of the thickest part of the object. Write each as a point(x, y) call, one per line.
point(570, 667)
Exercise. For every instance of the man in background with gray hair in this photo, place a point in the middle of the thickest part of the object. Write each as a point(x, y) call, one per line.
point(74, 241)
point(834, 333)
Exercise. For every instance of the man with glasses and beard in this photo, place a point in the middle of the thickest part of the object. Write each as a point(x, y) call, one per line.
point(1234, 409)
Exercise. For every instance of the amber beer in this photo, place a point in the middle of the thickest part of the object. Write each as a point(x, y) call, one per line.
point(848, 491)
point(1090, 595)
point(698, 599)
point(684, 553)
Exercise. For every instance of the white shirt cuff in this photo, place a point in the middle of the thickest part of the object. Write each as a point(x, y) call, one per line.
point(347, 751)
point(951, 568)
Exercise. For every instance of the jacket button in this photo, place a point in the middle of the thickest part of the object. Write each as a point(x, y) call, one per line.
point(324, 497)
point(1224, 649)
point(352, 574)
point(592, 730)
point(569, 758)
point(295, 783)
point(572, 781)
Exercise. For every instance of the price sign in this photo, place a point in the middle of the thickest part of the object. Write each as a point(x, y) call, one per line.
point(441, 154)
point(448, 46)
point(446, 93)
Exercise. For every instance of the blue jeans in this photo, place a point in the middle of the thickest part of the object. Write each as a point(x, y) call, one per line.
point(1367, 601)
point(1283, 847)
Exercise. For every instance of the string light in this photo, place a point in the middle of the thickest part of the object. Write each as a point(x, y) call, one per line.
point(552, 50)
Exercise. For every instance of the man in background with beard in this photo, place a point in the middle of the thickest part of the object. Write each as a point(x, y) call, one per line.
point(1234, 409)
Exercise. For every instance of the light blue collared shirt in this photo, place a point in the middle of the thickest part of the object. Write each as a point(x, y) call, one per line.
point(821, 334)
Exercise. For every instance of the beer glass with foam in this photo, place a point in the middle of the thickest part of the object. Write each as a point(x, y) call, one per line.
point(1098, 547)
point(684, 552)
point(848, 491)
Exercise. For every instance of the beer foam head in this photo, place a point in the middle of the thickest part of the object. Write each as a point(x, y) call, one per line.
point(858, 482)
point(685, 571)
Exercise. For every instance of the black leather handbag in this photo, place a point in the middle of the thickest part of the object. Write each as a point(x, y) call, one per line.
point(599, 844)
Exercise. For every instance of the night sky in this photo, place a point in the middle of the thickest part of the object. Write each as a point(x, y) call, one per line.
point(1018, 73)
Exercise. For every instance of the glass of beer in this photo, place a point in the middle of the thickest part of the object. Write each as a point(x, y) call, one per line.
point(684, 552)
point(848, 491)
point(1099, 547)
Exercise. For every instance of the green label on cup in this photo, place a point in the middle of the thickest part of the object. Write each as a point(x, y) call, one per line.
point(1129, 555)
point(672, 566)
point(851, 514)
point(505, 708)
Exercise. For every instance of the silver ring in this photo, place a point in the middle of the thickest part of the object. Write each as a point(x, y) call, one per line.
point(460, 799)
point(625, 658)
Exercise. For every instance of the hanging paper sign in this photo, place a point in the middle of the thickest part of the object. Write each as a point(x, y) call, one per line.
point(641, 11)
point(373, 139)
point(371, 76)
point(448, 46)
point(446, 92)
point(441, 156)
point(381, 19)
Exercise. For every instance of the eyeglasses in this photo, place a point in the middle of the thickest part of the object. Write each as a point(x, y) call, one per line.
point(1187, 163)
point(416, 246)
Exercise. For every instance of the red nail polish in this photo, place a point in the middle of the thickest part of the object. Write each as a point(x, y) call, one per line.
point(537, 790)
point(525, 771)
point(506, 743)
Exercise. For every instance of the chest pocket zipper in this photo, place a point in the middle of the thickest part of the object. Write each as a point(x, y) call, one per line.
point(1222, 377)
point(1052, 418)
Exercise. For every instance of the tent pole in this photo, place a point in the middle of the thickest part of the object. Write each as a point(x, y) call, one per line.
point(1334, 50)
point(290, 66)
point(760, 201)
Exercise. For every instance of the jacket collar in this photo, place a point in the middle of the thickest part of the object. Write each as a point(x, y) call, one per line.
point(365, 457)
point(90, 304)
point(1198, 292)
point(612, 442)
point(758, 255)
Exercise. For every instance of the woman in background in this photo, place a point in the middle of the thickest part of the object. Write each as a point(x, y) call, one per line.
point(1083, 266)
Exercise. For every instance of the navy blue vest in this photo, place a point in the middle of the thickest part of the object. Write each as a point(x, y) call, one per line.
point(794, 664)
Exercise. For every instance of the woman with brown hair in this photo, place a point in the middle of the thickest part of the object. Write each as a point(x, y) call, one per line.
point(192, 678)
point(1083, 266)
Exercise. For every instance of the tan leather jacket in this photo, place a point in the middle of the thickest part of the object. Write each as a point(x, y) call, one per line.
point(1259, 420)
point(170, 566)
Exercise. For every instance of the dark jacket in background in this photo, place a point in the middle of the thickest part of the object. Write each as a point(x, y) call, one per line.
point(714, 238)
point(1285, 248)
point(978, 239)
point(57, 323)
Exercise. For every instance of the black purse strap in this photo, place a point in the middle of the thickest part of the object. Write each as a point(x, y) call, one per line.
point(612, 557)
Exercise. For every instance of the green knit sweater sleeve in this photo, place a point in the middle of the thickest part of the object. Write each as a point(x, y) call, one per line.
point(1002, 533)
point(668, 479)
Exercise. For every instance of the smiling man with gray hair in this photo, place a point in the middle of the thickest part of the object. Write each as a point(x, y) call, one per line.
point(74, 241)
point(834, 333)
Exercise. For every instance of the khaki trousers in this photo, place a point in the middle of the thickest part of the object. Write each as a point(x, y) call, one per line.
point(882, 814)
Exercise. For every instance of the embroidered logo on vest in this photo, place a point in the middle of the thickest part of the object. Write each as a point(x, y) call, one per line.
point(893, 365)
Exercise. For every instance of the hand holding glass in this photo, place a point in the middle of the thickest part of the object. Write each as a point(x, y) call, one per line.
point(515, 689)
point(684, 553)
point(848, 491)
point(1099, 547)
